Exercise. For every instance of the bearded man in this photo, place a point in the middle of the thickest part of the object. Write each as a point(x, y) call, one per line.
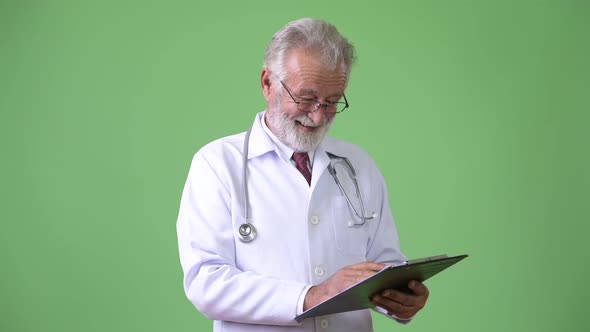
point(277, 219)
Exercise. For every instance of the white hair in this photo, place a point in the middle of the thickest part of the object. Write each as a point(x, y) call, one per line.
point(312, 34)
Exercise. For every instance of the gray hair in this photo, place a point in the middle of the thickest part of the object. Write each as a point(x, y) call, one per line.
point(312, 34)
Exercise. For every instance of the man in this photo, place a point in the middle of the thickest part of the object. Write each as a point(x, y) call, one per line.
point(265, 231)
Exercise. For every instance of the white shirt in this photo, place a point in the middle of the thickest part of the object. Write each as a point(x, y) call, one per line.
point(305, 233)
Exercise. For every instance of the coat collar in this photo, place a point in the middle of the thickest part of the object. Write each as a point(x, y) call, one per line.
point(261, 143)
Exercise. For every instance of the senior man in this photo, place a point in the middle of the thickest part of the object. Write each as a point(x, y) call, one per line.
point(272, 220)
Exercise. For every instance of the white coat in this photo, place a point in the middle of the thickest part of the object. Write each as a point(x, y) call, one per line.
point(305, 233)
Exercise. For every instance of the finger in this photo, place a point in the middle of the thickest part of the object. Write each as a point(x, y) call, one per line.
point(404, 299)
point(348, 276)
point(358, 274)
point(418, 288)
point(367, 266)
point(393, 307)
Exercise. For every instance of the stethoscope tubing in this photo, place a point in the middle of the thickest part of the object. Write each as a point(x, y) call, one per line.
point(247, 232)
point(352, 174)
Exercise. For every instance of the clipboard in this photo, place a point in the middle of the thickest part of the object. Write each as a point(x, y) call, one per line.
point(358, 296)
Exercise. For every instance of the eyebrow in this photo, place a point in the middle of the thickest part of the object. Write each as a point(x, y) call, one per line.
point(307, 92)
point(304, 92)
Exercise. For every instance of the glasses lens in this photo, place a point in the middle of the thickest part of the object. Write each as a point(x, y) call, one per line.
point(307, 106)
point(334, 108)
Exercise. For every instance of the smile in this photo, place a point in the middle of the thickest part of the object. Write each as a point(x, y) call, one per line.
point(305, 127)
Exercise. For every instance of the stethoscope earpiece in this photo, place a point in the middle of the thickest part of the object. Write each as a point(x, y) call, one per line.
point(247, 232)
point(334, 160)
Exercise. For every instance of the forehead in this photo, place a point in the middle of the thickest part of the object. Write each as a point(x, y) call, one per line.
point(306, 72)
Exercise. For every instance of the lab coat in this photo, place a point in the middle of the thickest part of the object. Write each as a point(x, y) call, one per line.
point(305, 233)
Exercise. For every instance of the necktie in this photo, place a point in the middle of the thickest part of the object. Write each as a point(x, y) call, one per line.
point(301, 160)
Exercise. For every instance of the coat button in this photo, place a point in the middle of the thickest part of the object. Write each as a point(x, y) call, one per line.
point(319, 271)
point(324, 323)
point(314, 220)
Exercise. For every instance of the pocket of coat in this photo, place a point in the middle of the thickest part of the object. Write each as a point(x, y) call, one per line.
point(351, 239)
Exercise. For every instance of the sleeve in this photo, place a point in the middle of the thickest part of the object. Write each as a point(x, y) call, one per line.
point(392, 316)
point(384, 247)
point(212, 282)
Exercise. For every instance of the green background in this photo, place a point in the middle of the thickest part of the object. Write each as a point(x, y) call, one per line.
point(476, 113)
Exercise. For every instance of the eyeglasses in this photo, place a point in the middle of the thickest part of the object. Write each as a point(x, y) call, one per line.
point(311, 105)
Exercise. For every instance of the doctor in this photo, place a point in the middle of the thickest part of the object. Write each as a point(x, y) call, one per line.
point(265, 229)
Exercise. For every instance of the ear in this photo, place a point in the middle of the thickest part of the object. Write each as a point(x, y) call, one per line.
point(266, 84)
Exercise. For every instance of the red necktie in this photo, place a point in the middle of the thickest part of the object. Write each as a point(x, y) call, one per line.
point(301, 160)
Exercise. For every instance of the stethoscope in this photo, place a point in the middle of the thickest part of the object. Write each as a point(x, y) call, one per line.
point(247, 232)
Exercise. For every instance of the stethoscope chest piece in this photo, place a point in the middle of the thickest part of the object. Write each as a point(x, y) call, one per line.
point(247, 232)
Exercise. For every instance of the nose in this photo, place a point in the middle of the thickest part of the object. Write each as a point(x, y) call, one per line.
point(318, 116)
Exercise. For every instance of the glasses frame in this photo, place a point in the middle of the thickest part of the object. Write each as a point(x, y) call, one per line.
point(318, 104)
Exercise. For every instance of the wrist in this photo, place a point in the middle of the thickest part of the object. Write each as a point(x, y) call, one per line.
point(312, 297)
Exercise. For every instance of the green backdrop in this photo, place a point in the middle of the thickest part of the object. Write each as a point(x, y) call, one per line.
point(476, 113)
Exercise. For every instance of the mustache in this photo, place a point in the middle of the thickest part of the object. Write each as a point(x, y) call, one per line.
point(306, 121)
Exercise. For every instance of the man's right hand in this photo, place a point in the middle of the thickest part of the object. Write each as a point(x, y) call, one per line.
point(339, 281)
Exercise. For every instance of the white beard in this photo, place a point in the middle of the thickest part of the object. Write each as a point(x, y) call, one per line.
point(287, 131)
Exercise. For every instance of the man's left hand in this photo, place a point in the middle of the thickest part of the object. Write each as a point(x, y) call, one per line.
point(403, 305)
